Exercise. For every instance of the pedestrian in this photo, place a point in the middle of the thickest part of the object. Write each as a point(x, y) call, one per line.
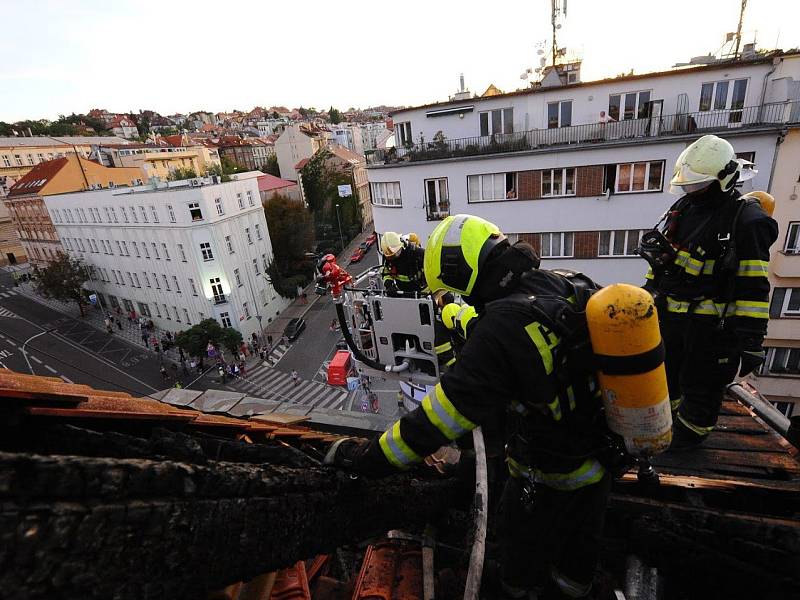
point(221, 371)
point(178, 385)
point(559, 455)
point(254, 337)
point(184, 368)
point(295, 378)
point(144, 339)
point(269, 341)
point(262, 353)
point(251, 347)
point(156, 347)
point(243, 369)
point(164, 374)
point(109, 328)
point(201, 366)
point(119, 324)
point(180, 353)
point(151, 325)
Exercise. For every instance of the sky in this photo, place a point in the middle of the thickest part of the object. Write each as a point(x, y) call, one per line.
point(173, 56)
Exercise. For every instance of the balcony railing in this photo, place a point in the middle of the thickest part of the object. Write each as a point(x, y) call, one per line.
point(594, 133)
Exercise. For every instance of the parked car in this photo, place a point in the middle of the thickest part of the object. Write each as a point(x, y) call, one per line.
point(294, 328)
point(341, 344)
point(357, 255)
point(364, 246)
point(370, 241)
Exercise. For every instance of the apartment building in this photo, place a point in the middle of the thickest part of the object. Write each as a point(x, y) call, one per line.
point(298, 142)
point(779, 377)
point(153, 160)
point(71, 173)
point(177, 253)
point(18, 155)
point(11, 250)
point(540, 163)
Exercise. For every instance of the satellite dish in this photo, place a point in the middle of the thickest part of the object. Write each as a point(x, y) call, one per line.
point(540, 52)
point(524, 75)
point(543, 61)
point(558, 26)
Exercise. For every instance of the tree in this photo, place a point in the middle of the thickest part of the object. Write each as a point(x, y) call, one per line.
point(217, 170)
point(275, 114)
point(195, 339)
point(271, 166)
point(63, 280)
point(334, 115)
point(180, 173)
point(291, 232)
point(303, 112)
point(229, 167)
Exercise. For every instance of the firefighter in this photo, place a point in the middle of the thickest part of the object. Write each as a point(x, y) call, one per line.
point(459, 320)
point(402, 265)
point(708, 274)
point(443, 344)
point(516, 374)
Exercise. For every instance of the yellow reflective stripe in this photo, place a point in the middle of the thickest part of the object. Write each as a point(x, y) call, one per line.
point(395, 449)
point(690, 265)
point(649, 274)
point(571, 397)
point(696, 428)
point(753, 268)
point(753, 309)
point(536, 332)
point(443, 347)
point(444, 416)
point(555, 409)
point(703, 307)
point(708, 266)
point(674, 403)
point(591, 471)
point(450, 362)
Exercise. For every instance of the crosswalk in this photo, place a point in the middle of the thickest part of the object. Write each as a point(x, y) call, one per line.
point(7, 292)
point(277, 354)
point(266, 382)
point(4, 312)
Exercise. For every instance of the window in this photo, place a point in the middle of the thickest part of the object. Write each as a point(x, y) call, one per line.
point(114, 215)
point(793, 239)
point(143, 212)
point(176, 284)
point(250, 201)
point(186, 315)
point(255, 266)
point(249, 237)
point(246, 310)
point(6, 160)
point(225, 319)
point(216, 290)
point(785, 302)
point(620, 242)
point(181, 252)
point(639, 177)
point(558, 182)
point(720, 95)
point(229, 244)
point(133, 214)
point(264, 262)
point(166, 252)
point(144, 309)
point(146, 278)
point(237, 277)
point(125, 249)
point(166, 312)
point(107, 211)
point(195, 212)
point(556, 245)
point(145, 250)
point(218, 204)
point(136, 249)
point(497, 121)
point(633, 105)
point(155, 280)
point(437, 199)
point(166, 283)
point(119, 248)
point(493, 186)
point(136, 278)
point(258, 231)
point(158, 310)
point(171, 213)
point(116, 279)
point(239, 199)
point(386, 193)
point(194, 288)
point(155, 251)
point(781, 360)
point(559, 114)
point(124, 213)
point(154, 213)
point(403, 133)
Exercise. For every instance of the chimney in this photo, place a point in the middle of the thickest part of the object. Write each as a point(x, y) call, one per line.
point(461, 79)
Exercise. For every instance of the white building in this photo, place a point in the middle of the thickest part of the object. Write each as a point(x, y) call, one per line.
point(348, 135)
point(296, 143)
point(177, 254)
point(539, 164)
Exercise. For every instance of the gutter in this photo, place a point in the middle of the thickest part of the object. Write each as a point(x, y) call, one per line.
point(778, 142)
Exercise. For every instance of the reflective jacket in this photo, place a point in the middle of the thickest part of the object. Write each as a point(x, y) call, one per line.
point(709, 282)
point(405, 270)
point(509, 371)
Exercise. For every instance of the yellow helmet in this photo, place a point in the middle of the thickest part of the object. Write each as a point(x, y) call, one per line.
point(391, 244)
point(413, 238)
point(767, 201)
point(449, 313)
point(456, 250)
point(707, 160)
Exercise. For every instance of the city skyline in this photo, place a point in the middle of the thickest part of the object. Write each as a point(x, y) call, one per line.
point(335, 59)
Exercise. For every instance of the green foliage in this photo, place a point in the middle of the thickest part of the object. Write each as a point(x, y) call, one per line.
point(275, 114)
point(179, 174)
point(303, 112)
point(291, 231)
point(63, 280)
point(229, 167)
point(271, 166)
point(334, 115)
point(195, 339)
point(65, 125)
point(285, 286)
point(217, 170)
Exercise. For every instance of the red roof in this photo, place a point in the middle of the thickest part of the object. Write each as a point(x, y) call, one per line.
point(268, 183)
point(38, 177)
point(301, 164)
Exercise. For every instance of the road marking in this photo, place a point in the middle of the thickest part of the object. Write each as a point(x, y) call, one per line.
point(4, 312)
point(67, 379)
point(51, 369)
point(33, 358)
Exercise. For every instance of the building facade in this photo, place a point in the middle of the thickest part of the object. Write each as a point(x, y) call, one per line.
point(25, 200)
point(176, 253)
point(541, 165)
point(11, 250)
point(294, 144)
point(779, 378)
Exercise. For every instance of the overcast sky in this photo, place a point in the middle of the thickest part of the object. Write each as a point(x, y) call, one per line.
point(63, 56)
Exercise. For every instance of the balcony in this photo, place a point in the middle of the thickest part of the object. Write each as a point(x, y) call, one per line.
point(591, 134)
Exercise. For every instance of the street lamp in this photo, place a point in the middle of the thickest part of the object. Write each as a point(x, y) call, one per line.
point(338, 220)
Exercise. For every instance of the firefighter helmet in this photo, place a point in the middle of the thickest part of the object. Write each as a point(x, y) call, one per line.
point(456, 251)
point(391, 244)
point(449, 313)
point(707, 160)
point(767, 201)
point(413, 238)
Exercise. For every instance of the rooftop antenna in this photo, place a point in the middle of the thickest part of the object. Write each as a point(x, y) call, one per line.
point(738, 36)
point(461, 79)
point(557, 8)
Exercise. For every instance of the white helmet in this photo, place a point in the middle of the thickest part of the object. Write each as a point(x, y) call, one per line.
point(707, 160)
point(391, 244)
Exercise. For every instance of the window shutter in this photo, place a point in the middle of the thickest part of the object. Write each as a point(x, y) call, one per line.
point(778, 295)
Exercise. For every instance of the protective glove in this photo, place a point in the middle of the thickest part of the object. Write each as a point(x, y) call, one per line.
point(343, 453)
point(751, 356)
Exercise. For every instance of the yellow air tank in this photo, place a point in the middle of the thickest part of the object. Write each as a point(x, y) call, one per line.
point(623, 327)
point(767, 201)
